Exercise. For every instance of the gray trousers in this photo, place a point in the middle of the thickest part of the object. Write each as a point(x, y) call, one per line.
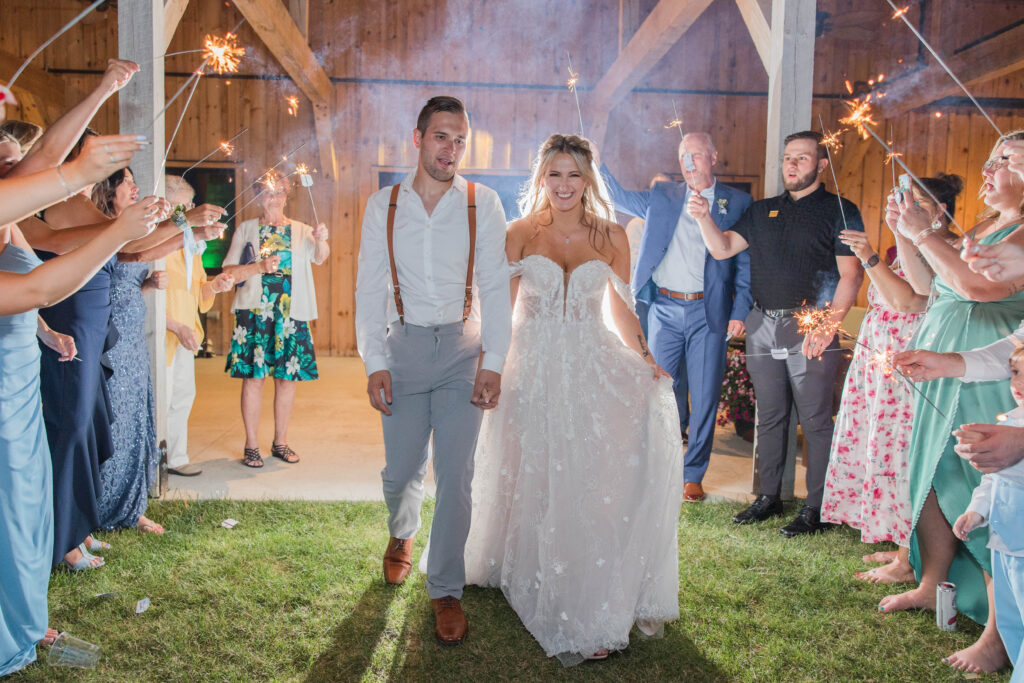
point(780, 383)
point(432, 374)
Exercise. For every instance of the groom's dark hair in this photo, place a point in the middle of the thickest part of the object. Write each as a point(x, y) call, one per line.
point(445, 103)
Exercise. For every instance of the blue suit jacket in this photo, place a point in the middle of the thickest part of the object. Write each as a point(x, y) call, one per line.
point(726, 282)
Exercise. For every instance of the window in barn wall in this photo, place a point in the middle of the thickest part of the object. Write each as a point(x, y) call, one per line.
point(213, 186)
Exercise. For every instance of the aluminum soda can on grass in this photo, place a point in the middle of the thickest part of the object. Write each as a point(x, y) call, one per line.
point(945, 606)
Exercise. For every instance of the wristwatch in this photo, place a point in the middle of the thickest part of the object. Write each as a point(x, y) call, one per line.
point(871, 262)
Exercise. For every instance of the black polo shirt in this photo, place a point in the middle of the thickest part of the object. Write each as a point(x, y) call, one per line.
point(793, 247)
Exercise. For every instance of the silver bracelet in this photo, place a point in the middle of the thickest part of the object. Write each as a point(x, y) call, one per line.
point(922, 236)
point(64, 183)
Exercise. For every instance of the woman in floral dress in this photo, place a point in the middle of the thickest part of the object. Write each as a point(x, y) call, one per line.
point(866, 486)
point(272, 312)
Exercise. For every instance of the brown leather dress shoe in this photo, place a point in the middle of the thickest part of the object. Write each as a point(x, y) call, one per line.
point(398, 560)
point(450, 621)
point(693, 492)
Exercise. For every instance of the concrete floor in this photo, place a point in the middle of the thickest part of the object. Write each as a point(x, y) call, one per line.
point(338, 437)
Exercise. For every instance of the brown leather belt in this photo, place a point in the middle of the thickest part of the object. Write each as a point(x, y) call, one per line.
point(685, 296)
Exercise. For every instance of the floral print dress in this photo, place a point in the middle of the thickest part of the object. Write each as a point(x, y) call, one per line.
point(867, 482)
point(267, 341)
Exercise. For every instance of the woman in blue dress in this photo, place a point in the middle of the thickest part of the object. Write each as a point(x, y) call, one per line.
point(127, 475)
point(26, 506)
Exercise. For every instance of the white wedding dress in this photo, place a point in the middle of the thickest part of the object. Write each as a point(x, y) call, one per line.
point(579, 472)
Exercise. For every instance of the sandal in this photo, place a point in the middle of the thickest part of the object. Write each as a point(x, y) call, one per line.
point(284, 452)
point(85, 562)
point(95, 544)
point(251, 457)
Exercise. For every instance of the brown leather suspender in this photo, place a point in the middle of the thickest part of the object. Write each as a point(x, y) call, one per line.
point(471, 214)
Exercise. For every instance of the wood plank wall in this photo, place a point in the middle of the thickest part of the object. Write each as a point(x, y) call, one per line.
point(507, 61)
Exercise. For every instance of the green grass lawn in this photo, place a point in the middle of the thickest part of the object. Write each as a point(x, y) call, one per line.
point(294, 592)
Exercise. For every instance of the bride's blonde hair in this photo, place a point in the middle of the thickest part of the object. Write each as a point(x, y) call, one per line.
point(597, 208)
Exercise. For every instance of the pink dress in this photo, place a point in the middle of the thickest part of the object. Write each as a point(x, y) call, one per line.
point(866, 486)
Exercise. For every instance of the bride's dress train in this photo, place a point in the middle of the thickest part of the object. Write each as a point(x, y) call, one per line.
point(579, 473)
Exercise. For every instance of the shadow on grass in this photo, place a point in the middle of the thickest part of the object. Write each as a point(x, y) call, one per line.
point(355, 639)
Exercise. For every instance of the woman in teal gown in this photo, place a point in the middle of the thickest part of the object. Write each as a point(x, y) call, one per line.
point(969, 312)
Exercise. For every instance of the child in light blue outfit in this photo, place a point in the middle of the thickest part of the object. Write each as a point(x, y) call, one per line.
point(999, 502)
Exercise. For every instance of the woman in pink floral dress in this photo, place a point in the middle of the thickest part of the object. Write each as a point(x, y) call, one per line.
point(866, 486)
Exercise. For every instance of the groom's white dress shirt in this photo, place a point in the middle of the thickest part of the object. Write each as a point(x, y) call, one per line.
point(431, 254)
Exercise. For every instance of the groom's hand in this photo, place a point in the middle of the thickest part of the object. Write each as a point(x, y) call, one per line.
point(378, 386)
point(486, 389)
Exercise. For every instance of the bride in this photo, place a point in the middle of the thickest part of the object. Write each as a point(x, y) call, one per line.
point(578, 481)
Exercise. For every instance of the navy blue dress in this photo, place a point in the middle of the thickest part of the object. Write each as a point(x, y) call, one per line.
point(128, 474)
point(76, 409)
point(26, 506)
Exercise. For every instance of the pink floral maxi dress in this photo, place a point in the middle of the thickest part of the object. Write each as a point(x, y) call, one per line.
point(866, 486)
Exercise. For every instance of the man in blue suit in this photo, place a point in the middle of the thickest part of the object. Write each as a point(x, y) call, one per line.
point(693, 301)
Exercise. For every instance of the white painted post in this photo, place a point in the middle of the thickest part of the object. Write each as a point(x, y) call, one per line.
point(140, 37)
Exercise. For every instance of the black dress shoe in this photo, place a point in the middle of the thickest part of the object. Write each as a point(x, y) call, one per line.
point(764, 507)
point(807, 522)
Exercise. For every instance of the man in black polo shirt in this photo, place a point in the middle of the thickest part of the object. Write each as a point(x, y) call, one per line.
point(796, 260)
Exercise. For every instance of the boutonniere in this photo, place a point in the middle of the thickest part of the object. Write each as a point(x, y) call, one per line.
point(723, 205)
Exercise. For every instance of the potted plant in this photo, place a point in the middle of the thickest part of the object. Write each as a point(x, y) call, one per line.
point(737, 402)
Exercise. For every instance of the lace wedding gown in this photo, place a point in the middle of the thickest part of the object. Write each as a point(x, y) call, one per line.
point(579, 473)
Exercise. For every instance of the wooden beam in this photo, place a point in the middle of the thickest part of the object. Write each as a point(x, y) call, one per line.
point(790, 79)
point(47, 88)
point(753, 12)
point(662, 29)
point(274, 26)
point(299, 9)
point(140, 36)
point(173, 10)
point(993, 58)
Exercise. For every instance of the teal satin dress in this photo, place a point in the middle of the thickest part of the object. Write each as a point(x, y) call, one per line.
point(954, 323)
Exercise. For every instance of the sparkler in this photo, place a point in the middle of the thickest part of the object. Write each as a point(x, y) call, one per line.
point(55, 36)
point(891, 156)
point(270, 184)
point(677, 122)
point(901, 13)
point(223, 54)
point(831, 166)
point(860, 116)
point(307, 182)
point(293, 105)
point(571, 83)
point(177, 127)
point(224, 146)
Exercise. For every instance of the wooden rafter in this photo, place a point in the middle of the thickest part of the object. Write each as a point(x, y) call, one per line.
point(754, 15)
point(662, 29)
point(173, 11)
point(992, 58)
point(273, 24)
point(48, 90)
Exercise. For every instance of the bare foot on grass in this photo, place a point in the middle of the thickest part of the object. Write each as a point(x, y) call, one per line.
point(149, 526)
point(881, 557)
point(918, 598)
point(51, 635)
point(894, 572)
point(985, 656)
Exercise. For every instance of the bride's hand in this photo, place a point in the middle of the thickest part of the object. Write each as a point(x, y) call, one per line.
point(658, 372)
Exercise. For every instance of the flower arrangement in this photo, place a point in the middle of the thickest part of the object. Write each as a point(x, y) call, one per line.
point(737, 401)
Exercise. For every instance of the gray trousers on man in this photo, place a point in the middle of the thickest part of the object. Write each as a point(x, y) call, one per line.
point(432, 375)
point(780, 383)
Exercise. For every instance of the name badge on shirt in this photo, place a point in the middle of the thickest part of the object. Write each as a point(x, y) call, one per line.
point(773, 214)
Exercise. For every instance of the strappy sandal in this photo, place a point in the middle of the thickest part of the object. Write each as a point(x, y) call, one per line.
point(284, 452)
point(251, 457)
point(85, 562)
point(96, 544)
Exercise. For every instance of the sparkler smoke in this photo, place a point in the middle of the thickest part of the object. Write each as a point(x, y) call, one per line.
point(901, 13)
point(571, 83)
point(224, 146)
point(835, 181)
point(55, 36)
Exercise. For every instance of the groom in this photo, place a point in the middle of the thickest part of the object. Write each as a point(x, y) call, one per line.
point(433, 321)
point(694, 301)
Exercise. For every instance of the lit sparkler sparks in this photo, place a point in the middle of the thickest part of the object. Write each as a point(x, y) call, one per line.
point(223, 54)
point(266, 173)
point(225, 146)
point(677, 122)
point(860, 116)
point(849, 86)
point(293, 105)
point(571, 83)
point(902, 14)
point(832, 167)
point(832, 140)
point(307, 182)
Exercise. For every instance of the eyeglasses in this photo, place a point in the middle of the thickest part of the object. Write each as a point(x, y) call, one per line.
point(993, 165)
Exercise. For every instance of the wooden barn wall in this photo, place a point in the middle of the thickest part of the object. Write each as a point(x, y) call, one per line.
point(501, 58)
